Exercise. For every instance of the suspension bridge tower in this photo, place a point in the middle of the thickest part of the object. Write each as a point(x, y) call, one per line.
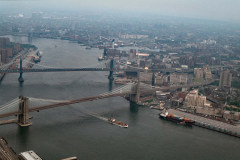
point(135, 96)
point(20, 79)
point(23, 117)
point(110, 76)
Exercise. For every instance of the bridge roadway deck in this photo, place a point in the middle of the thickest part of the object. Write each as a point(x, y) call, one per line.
point(65, 103)
point(86, 69)
point(76, 101)
point(53, 70)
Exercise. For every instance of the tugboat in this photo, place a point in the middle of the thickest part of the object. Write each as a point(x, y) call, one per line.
point(188, 122)
point(176, 119)
point(100, 58)
point(118, 123)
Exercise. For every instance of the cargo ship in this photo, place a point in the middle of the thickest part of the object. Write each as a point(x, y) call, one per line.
point(118, 123)
point(176, 119)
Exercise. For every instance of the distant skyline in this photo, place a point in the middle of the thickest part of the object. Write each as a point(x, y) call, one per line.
point(226, 10)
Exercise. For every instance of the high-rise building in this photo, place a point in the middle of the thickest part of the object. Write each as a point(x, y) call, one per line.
point(225, 79)
point(193, 99)
point(132, 54)
point(207, 74)
point(198, 72)
point(4, 42)
point(204, 72)
point(178, 78)
point(4, 55)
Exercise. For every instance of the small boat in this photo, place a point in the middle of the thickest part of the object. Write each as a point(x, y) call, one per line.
point(188, 122)
point(100, 58)
point(118, 123)
point(36, 59)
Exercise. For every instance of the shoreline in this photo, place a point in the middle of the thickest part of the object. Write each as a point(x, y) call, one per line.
point(24, 55)
point(209, 124)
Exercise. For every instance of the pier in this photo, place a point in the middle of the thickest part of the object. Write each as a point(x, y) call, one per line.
point(209, 123)
point(6, 152)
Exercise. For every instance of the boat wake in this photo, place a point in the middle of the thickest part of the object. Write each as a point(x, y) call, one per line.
point(110, 120)
point(99, 117)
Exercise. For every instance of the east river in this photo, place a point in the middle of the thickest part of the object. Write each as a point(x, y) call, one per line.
point(69, 131)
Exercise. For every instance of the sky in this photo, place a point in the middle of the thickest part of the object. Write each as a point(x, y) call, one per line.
point(227, 10)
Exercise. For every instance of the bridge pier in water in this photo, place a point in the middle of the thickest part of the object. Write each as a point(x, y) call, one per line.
point(110, 76)
point(20, 79)
point(23, 117)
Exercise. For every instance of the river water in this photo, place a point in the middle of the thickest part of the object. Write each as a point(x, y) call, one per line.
point(68, 131)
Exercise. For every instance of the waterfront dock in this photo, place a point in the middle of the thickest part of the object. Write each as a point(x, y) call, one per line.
point(6, 152)
point(211, 124)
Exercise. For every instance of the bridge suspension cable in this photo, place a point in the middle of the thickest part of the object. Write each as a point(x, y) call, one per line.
point(11, 106)
point(126, 88)
point(36, 102)
point(46, 100)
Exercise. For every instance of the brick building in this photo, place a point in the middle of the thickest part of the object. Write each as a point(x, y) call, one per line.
point(4, 42)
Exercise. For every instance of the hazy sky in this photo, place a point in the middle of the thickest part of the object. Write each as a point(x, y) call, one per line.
point(208, 9)
point(213, 9)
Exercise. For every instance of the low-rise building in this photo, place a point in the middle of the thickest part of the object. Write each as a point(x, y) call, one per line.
point(146, 77)
point(207, 110)
point(231, 115)
point(160, 79)
point(176, 78)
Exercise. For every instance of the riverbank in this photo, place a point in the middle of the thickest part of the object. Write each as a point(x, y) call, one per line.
point(88, 137)
point(28, 56)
